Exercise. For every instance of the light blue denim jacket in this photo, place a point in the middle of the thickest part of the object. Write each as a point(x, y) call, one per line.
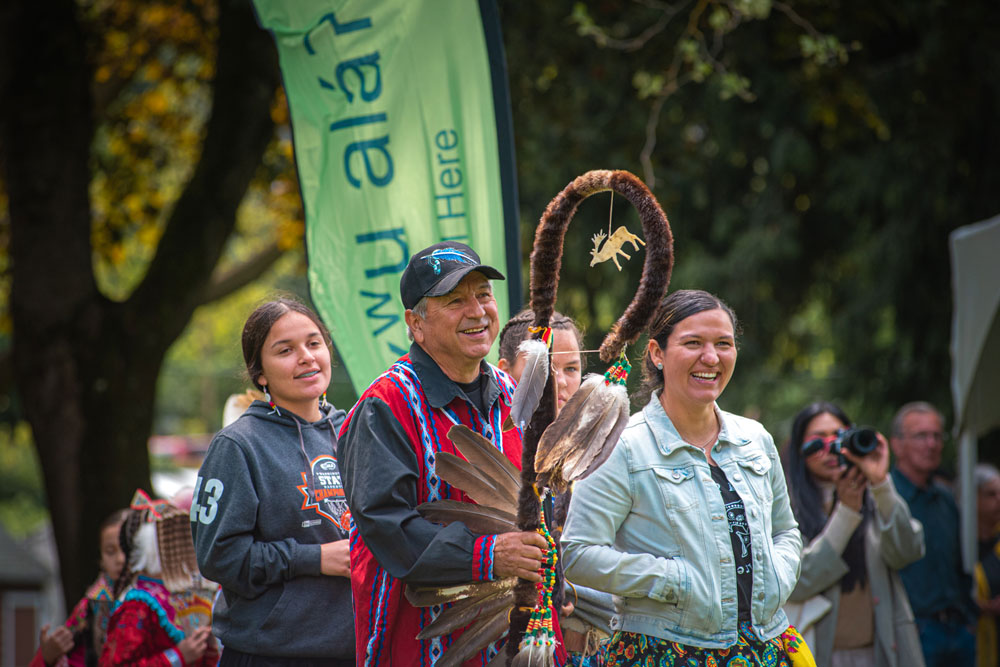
point(650, 527)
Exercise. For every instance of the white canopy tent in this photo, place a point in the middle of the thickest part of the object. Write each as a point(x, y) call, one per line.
point(975, 353)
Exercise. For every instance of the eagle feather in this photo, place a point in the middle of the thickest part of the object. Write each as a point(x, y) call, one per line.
point(475, 638)
point(428, 596)
point(464, 612)
point(532, 383)
point(474, 483)
point(587, 429)
point(477, 518)
point(483, 454)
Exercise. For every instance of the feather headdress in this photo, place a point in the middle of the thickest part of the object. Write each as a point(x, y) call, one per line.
point(554, 451)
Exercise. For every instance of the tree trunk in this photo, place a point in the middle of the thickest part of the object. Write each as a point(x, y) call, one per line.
point(55, 305)
point(85, 367)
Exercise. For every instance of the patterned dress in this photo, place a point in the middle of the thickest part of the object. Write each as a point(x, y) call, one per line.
point(142, 630)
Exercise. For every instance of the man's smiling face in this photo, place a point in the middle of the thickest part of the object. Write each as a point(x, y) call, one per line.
point(459, 327)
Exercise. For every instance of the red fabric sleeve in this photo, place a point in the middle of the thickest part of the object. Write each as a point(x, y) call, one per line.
point(135, 638)
point(37, 660)
point(482, 558)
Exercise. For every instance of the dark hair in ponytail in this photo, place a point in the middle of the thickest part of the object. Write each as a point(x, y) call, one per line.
point(259, 324)
point(674, 309)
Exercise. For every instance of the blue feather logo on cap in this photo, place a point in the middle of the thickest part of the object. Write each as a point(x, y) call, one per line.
point(435, 257)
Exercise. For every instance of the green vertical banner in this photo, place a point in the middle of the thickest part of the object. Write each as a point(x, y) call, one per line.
point(402, 135)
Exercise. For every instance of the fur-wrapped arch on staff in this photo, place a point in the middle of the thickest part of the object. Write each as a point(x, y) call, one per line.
point(594, 417)
point(560, 450)
point(546, 257)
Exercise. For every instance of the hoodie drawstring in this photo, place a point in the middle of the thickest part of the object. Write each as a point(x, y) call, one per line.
point(302, 448)
point(305, 456)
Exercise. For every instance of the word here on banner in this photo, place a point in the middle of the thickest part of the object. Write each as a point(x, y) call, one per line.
point(449, 196)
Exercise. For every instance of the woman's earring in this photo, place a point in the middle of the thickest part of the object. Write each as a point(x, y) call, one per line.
point(274, 408)
point(659, 366)
point(322, 401)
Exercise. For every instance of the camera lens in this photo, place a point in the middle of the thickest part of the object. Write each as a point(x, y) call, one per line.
point(860, 441)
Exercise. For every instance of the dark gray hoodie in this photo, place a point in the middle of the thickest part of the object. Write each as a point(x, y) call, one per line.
point(268, 495)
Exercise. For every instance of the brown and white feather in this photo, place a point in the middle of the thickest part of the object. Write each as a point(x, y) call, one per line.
point(479, 519)
point(473, 482)
point(464, 612)
point(532, 383)
point(483, 454)
point(428, 596)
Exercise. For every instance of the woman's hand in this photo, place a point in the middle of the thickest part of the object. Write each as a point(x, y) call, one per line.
point(874, 466)
point(336, 558)
point(194, 645)
point(851, 488)
point(55, 645)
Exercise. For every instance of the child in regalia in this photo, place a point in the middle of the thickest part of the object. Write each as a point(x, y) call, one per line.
point(145, 629)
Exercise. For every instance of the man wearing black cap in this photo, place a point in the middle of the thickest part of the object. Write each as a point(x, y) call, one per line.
point(387, 450)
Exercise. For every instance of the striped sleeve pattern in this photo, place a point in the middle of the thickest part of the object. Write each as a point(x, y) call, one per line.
point(482, 558)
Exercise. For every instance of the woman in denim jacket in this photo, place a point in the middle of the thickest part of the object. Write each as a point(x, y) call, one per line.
point(688, 522)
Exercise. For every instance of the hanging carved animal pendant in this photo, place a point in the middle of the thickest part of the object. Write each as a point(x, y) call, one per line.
point(613, 246)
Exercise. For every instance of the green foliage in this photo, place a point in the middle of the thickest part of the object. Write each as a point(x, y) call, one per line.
point(811, 161)
point(153, 70)
point(648, 85)
point(823, 49)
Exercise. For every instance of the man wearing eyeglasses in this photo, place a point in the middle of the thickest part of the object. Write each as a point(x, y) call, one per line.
point(938, 586)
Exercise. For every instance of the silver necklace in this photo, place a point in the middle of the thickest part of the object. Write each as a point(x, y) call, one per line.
point(711, 440)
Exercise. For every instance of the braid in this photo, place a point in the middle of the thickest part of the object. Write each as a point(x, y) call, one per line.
point(126, 540)
point(515, 331)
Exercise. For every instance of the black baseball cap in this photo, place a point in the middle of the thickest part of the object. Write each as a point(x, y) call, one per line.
point(437, 269)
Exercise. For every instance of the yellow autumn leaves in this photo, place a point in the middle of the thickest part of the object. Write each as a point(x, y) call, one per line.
point(152, 91)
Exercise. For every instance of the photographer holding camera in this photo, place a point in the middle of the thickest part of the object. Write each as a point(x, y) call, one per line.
point(857, 533)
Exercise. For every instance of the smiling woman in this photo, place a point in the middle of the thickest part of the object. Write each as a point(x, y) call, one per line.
point(685, 479)
point(295, 365)
point(269, 515)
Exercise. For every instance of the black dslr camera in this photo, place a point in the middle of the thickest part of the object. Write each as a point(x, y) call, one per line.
point(858, 441)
